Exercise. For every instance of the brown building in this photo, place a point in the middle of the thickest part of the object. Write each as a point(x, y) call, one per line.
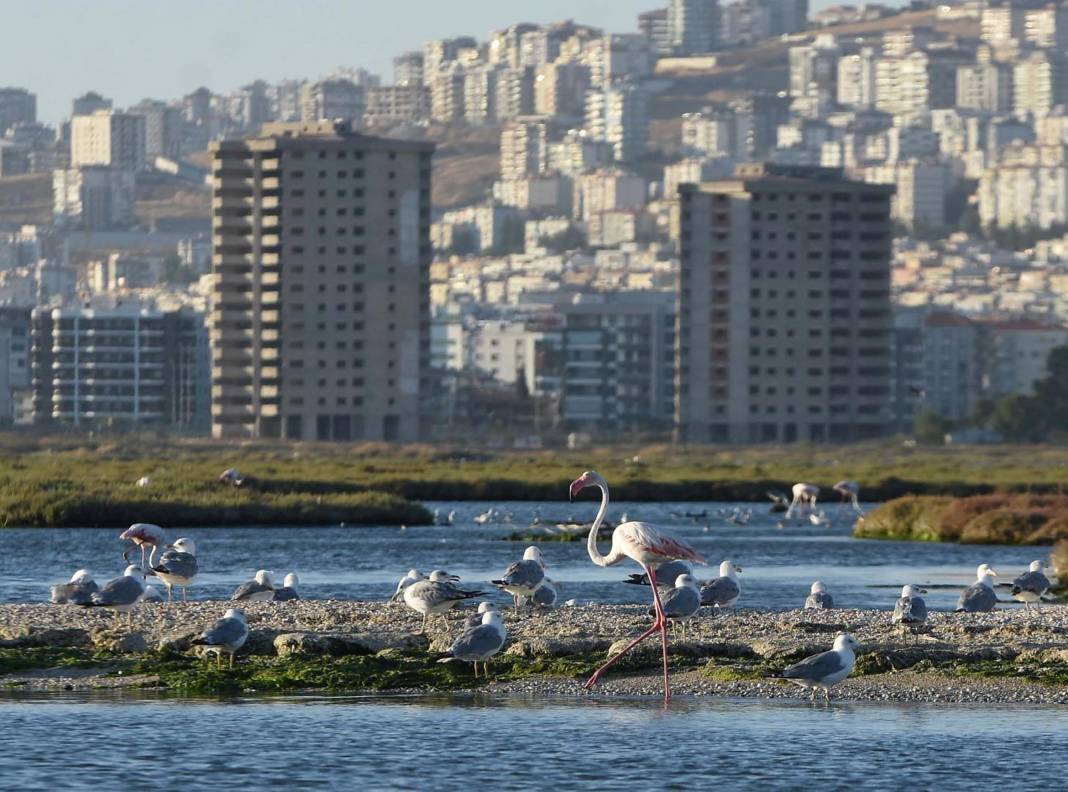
point(320, 328)
point(784, 324)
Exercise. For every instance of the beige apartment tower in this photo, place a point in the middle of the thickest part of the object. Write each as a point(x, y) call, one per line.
point(784, 308)
point(320, 325)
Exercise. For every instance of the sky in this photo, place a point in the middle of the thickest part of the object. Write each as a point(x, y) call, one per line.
point(129, 50)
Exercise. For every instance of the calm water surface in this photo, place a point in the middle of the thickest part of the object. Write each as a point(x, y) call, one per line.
point(69, 743)
point(364, 563)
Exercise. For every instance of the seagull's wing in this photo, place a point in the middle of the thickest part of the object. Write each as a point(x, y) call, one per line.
point(815, 668)
point(977, 598)
point(229, 632)
point(719, 591)
point(482, 641)
point(125, 590)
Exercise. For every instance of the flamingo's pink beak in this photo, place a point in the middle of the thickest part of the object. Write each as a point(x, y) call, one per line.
point(577, 486)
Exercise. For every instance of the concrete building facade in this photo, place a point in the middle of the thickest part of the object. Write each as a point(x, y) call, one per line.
point(320, 328)
point(115, 140)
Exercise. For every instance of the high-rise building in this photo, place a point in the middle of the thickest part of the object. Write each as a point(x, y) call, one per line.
point(119, 364)
point(397, 104)
point(89, 103)
point(408, 69)
point(332, 100)
point(985, 86)
point(1040, 83)
point(321, 322)
point(524, 149)
point(15, 364)
point(619, 115)
point(654, 26)
point(115, 140)
point(784, 307)
point(94, 197)
point(16, 105)
point(856, 79)
point(163, 128)
point(693, 26)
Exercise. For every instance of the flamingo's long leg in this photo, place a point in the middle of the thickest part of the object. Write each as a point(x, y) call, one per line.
point(611, 661)
point(662, 623)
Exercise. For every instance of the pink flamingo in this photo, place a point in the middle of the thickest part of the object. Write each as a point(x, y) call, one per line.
point(143, 535)
point(640, 542)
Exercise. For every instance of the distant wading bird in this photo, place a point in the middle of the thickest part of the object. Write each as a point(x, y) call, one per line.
point(178, 567)
point(143, 535)
point(805, 496)
point(850, 492)
point(642, 543)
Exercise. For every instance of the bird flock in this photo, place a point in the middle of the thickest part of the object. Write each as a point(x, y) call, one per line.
point(667, 566)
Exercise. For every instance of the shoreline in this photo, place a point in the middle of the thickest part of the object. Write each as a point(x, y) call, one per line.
point(330, 647)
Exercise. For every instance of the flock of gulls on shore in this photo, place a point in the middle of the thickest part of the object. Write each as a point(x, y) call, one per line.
point(667, 568)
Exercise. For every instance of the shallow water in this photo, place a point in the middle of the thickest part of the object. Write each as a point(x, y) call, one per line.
point(74, 743)
point(778, 564)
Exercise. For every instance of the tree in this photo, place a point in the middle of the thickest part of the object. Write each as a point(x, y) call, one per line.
point(1019, 418)
point(930, 428)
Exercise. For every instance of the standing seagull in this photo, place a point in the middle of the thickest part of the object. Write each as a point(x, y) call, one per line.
point(723, 591)
point(522, 578)
point(479, 644)
point(826, 668)
point(259, 589)
point(910, 610)
point(120, 595)
point(435, 596)
point(413, 576)
point(682, 602)
point(644, 544)
point(475, 619)
point(979, 597)
point(143, 535)
point(228, 635)
point(1031, 585)
point(850, 492)
point(79, 591)
point(288, 590)
point(178, 567)
point(545, 595)
point(818, 597)
point(804, 496)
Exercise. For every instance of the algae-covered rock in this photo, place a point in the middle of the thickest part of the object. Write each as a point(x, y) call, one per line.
point(342, 644)
point(119, 642)
point(28, 635)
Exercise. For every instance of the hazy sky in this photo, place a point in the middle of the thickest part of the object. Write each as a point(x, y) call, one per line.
point(132, 49)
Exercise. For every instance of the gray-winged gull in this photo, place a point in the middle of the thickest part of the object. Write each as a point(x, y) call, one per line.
point(1029, 587)
point(681, 602)
point(666, 574)
point(723, 591)
point(120, 595)
point(435, 597)
point(545, 595)
point(826, 669)
point(910, 610)
point(228, 635)
point(479, 644)
point(979, 597)
point(178, 567)
point(79, 591)
point(522, 578)
point(259, 589)
point(289, 589)
point(818, 597)
point(412, 576)
point(475, 619)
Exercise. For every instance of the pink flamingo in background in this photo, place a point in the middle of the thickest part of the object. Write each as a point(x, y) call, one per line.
point(640, 542)
point(143, 535)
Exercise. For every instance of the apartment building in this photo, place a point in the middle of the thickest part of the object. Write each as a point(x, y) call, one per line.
point(784, 307)
point(693, 26)
point(321, 321)
point(15, 368)
point(17, 105)
point(524, 149)
point(108, 138)
point(94, 198)
point(332, 100)
point(119, 364)
point(619, 115)
point(397, 104)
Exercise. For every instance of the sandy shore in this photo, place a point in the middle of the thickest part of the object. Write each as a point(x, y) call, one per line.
point(1004, 656)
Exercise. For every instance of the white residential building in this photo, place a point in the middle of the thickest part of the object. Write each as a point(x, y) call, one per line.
point(619, 115)
point(108, 138)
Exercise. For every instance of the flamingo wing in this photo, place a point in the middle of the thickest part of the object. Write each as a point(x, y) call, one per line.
point(650, 539)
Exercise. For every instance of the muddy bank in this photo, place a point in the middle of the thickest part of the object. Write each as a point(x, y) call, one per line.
point(357, 646)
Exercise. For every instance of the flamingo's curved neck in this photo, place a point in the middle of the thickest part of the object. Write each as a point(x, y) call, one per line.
point(591, 543)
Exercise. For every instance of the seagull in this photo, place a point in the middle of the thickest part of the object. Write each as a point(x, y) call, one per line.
point(120, 595)
point(232, 477)
point(143, 535)
point(818, 597)
point(79, 591)
point(723, 591)
point(479, 644)
point(475, 619)
point(178, 567)
point(289, 589)
point(259, 589)
point(144, 481)
point(1031, 585)
point(522, 578)
point(435, 596)
point(545, 595)
point(228, 635)
point(910, 610)
point(153, 594)
point(412, 576)
point(979, 597)
point(681, 602)
point(825, 669)
point(665, 574)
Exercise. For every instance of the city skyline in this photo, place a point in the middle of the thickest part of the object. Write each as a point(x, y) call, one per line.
point(69, 37)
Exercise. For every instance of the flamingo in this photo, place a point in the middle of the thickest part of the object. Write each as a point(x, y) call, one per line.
point(850, 492)
point(143, 535)
point(649, 547)
point(804, 495)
